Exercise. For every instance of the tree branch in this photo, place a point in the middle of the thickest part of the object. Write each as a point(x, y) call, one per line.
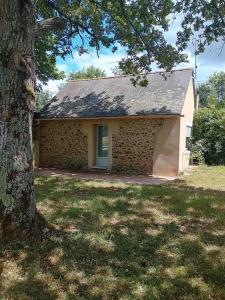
point(136, 31)
point(52, 24)
point(72, 22)
point(218, 12)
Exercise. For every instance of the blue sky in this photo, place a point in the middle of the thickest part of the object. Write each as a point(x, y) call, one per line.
point(210, 61)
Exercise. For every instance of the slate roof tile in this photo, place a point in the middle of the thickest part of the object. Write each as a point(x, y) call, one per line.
point(116, 96)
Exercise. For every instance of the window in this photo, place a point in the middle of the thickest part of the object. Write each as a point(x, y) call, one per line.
point(188, 136)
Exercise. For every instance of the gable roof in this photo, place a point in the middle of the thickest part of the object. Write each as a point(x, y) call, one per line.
point(116, 96)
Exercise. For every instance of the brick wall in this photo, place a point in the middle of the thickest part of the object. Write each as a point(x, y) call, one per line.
point(133, 146)
point(63, 145)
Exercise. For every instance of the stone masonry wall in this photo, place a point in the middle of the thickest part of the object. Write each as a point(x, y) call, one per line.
point(63, 145)
point(133, 146)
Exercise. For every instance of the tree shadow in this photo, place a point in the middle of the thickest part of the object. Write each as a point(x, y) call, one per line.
point(136, 242)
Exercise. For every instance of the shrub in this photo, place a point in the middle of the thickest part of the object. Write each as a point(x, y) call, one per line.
point(209, 135)
point(197, 153)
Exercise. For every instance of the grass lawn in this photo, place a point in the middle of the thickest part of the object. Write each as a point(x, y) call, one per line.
point(116, 241)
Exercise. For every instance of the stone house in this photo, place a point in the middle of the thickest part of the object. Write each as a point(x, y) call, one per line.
point(108, 123)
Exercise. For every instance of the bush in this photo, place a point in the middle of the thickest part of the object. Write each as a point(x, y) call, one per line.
point(197, 153)
point(209, 135)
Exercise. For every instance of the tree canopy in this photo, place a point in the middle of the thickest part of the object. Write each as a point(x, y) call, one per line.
point(136, 26)
point(90, 72)
point(212, 92)
point(202, 18)
point(46, 60)
point(208, 135)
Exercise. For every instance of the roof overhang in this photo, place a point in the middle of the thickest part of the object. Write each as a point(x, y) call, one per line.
point(162, 116)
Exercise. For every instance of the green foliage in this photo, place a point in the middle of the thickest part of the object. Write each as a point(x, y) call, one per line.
point(42, 98)
point(136, 26)
point(204, 19)
point(209, 134)
point(212, 93)
point(209, 122)
point(46, 59)
point(197, 153)
point(117, 72)
point(90, 72)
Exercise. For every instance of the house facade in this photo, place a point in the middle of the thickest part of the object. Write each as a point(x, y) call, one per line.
point(110, 124)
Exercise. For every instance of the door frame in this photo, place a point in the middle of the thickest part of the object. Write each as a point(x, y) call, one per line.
point(101, 162)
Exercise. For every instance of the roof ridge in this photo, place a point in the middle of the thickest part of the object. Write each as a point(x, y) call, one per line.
point(120, 76)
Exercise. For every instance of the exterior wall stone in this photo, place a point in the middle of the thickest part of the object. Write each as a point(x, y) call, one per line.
point(133, 145)
point(63, 144)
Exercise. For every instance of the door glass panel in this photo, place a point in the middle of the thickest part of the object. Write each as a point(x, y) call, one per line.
point(102, 141)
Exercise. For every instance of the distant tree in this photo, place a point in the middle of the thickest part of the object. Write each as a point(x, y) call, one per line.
point(208, 134)
point(212, 93)
point(42, 98)
point(117, 71)
point(140, 79)
point(90, 72)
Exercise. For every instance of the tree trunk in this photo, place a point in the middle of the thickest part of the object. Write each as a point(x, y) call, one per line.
point(17, 203)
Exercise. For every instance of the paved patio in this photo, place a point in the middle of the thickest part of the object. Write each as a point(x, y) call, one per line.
point(104, 176)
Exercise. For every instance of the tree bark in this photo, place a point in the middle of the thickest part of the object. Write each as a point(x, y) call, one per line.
point(17, 98)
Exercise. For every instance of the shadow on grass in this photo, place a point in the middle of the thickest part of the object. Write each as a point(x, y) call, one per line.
point(132, 242)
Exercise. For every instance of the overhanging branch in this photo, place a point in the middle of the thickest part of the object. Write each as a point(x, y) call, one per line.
point(73, 23)
point(48, 25)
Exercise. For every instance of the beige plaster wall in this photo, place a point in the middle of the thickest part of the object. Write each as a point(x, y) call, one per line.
point(186, 120)
point(170, 154)
point(36, 152)
point(166, 152)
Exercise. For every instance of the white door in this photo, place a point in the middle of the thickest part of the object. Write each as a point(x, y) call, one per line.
point(102, 146)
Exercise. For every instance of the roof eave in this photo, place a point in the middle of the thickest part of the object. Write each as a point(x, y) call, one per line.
point(111, 117)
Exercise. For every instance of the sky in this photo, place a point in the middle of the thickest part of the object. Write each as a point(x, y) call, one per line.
point(210, 61)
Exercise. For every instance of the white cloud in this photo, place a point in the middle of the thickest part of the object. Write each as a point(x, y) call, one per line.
point(105, 61)
point(53, 86)
point(63, 67)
